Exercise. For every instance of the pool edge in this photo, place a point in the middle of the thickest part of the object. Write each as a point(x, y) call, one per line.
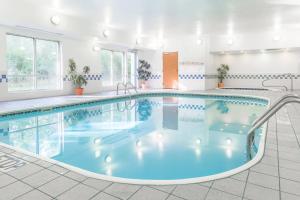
point(259, 155)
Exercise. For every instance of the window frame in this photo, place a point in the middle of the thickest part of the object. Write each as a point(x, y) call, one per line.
point(59, 64)
point(124, 65)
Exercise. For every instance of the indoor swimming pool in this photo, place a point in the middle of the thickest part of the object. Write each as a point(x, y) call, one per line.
point(159, 138)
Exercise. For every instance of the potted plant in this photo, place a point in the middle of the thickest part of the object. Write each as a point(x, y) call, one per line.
point(79, 80)
point(143, 73)
point(222, 72)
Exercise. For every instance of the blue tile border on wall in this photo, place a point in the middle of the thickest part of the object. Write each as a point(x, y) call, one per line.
point(155, 76)
point(90, 77)
point(191, 76)
point(230, 76)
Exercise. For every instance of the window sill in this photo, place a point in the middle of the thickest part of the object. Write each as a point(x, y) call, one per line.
point(34, 91)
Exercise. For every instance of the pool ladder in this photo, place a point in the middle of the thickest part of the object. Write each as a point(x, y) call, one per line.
point(286, 99)
point(280, 86)
point(127, 86)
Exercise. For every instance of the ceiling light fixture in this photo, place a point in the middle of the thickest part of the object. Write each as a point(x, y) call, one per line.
point(55, 20)
point(105, 33)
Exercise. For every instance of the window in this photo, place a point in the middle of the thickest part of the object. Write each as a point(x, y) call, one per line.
point(33, 64)
point(131, 67)
point(114, 68)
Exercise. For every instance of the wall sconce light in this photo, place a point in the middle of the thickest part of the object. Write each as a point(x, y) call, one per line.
point(55, 20)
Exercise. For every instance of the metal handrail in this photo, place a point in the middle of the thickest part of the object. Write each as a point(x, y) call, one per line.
point(275, 104)
point(267, 115)
point(126, 87)
point(132, 87)
point(118, 87)
point(276, 86)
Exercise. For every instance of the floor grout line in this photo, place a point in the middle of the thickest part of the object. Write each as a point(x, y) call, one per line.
point(279, 186)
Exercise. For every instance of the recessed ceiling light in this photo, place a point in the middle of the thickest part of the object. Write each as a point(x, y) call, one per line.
point(55, 20)
point(105, 33)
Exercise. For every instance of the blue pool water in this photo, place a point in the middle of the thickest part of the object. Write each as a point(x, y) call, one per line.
point(158, 137)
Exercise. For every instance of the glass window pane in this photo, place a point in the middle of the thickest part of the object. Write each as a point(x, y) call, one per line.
point(106, 67)
point(117, 67)
point(131, 67)
point(47, 64)
point(20, 63)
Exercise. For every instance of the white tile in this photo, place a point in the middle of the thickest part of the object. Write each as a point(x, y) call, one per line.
point(5, 180)
point(40, 178)
point(25, 171)
point(286, 196)
point(34, 195)
point(76, 176)
point(265, 169)
point(122, 191)
point(264, 180)
point(58, 169)
point(104, 196)
point(58, 186)
point(242, 176)
point(260, 193)
point(191, 191)
point(147, 193)
point(78, 192)
point(14, 190)
point(171, 197)
point(98, 184)
point(288, 186)
point(230, 185)
point(290, 174)
point(217, 195)
point(165, 188)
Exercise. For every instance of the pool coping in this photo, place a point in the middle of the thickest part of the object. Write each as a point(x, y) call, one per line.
point(259, 155)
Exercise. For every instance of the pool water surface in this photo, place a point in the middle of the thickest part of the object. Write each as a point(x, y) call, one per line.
point(166, 137)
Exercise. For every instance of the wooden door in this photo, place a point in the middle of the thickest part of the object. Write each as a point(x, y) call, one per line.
point(170, 70)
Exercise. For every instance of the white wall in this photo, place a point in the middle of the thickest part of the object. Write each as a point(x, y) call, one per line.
point(192, 61)
point(258, 63)
point(80, 50)
point(154, 58)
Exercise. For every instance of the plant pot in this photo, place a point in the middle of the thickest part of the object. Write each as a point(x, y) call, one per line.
point(220, 85)
point(142, 84)
point(78, 91)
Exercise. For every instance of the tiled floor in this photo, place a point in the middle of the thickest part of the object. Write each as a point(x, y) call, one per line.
point(277, 176)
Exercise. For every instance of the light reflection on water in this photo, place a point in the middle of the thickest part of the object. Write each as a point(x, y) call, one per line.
point(153, 138)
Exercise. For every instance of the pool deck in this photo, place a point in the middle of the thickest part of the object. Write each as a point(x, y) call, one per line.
point(276, 176)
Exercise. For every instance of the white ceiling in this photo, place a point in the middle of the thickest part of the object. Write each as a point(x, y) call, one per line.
point(169, 17)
